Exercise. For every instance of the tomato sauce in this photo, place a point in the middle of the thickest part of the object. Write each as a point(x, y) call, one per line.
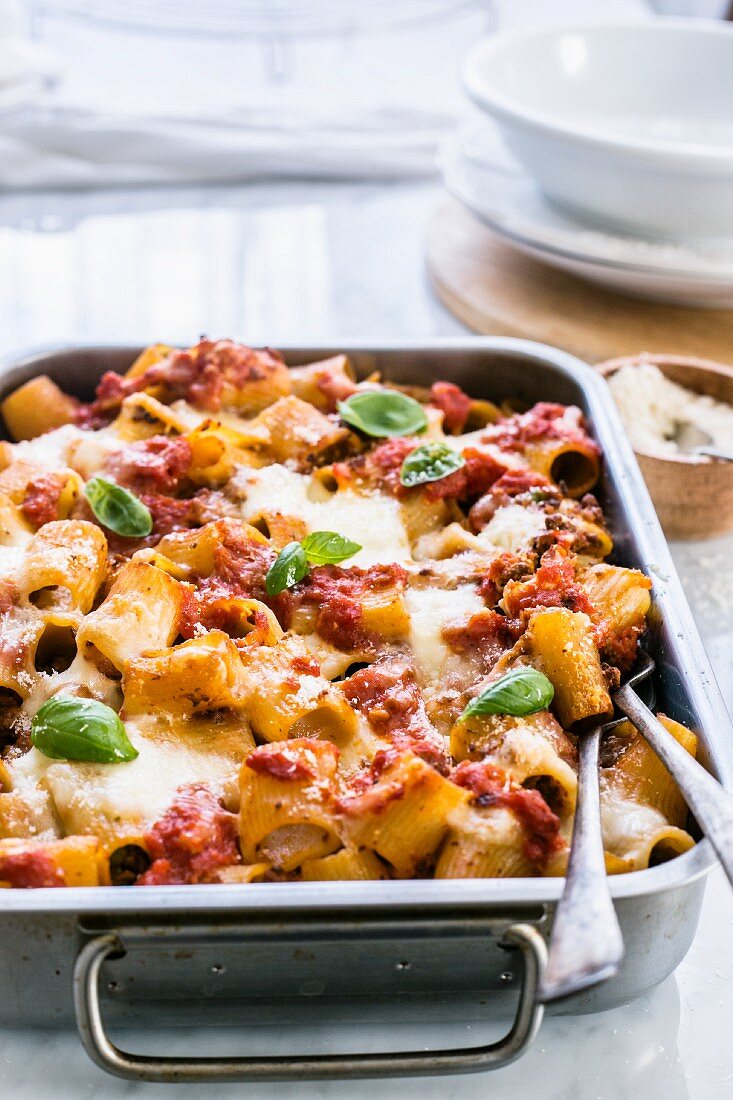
point(169, 514)
point(335, 387)
point(30, 869)
point(511, 484)
point(473, 479)
point(388, 695)
point(487, 633)
point(279, 764)
point(553, 585)
point(369, 791)
point(305, 665)
point(155, 465)
point(336, 595)
point(41, 502)
point(378, 468)
point(453, 403)
point(300, 758)
point(504, 568)
point(8, 595)
point(241, 564)
point(195, 838)
point(544, 420)
point(199, 375)
point(492, 787)
point(619, 649)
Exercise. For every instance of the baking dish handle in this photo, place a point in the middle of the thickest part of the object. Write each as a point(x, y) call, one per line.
point(145, 1067)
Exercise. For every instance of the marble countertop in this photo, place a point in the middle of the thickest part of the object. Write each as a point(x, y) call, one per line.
point(305, 263)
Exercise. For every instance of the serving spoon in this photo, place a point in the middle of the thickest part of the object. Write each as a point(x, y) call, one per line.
point(692, 440)
point(586, 946)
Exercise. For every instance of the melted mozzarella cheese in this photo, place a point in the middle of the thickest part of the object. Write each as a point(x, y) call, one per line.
point(513, 528)
point(82, 450)
point(372, 520)
point(430, 610)
point(81, 674)
point(122, 799)
point(11, 562)
point(52, 449)
point(628, 826)
point(89, 453)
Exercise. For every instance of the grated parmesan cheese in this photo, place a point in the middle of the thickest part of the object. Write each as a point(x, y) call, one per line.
point(651, 406)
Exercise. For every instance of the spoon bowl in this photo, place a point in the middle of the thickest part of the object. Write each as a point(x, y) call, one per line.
point(691, 439)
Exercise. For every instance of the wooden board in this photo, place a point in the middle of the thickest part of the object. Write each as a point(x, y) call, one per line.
point(496, 290)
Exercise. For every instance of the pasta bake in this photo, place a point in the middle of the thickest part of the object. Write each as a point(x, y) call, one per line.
point(264, 624)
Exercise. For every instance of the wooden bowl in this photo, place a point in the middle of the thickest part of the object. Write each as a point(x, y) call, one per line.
point(693, 496)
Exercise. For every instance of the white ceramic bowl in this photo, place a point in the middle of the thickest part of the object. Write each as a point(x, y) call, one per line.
point(627, 124)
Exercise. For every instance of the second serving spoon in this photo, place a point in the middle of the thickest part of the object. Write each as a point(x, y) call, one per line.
point(586, 945)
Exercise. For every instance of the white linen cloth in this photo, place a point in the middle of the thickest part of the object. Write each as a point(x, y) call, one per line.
point(81, 120)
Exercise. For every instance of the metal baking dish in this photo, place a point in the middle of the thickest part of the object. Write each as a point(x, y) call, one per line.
point(154, 953)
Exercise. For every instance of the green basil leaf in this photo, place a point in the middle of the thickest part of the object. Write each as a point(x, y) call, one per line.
point(118, 509)
point(383, 413)
point(521, 691)
point(430, 462)
point(290, 567)
point(67, 728)
point(328, 548)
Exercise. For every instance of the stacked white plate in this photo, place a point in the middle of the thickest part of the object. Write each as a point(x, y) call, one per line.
point(607, 151)
point(479, 171)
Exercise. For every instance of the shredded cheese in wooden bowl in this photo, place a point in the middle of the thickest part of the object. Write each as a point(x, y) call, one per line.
point(652, 405)
point(692, 493)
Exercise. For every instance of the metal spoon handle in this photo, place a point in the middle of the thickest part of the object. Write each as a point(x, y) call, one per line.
point(709, 801)
point(586, 945)
point(714, 452)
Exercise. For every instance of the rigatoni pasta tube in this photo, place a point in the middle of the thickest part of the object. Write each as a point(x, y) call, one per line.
point(404, 816)
point(323, 383)
point(640, 773)
point(140, 613)
point(350, 864)
point(14, 529)
point(282, 704)
point(621, 599)
point(69, 558)
point(285, 815)
point(299, 433)
point(71, 861)
point(37, 407)
point(18, 640)
point(534, 750)
point(194, 552)
point(197, 676)
point(561, 643)
point(483, 844)
point(575, 464)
